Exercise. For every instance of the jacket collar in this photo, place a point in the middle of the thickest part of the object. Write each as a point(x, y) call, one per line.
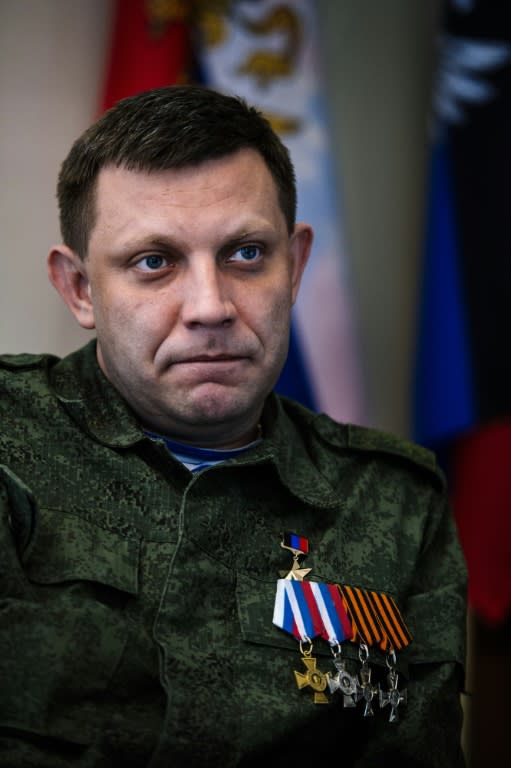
point(80, 385)
point(288, 434)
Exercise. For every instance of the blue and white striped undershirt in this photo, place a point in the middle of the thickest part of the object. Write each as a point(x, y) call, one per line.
point(195, 459)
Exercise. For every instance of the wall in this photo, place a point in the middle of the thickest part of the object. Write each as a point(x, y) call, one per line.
point(51, 62)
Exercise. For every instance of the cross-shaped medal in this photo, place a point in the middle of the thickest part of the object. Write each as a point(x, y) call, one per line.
point(316, 679)
point(369, 691)
point(346, 683)
point(393, 696)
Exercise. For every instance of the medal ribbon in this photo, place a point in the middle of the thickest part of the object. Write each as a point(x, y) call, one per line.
point(391, 620)
point(366, 627)
point(375, 618)
point(307, 609)
point(295, 543)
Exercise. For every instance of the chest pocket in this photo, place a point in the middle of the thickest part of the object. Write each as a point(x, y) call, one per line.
point(62, 641)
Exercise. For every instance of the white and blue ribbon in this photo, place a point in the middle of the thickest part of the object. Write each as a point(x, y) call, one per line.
point(306, 609)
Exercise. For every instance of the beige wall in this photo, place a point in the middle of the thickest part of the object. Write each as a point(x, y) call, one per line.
point(377, 69)
point(51, 62)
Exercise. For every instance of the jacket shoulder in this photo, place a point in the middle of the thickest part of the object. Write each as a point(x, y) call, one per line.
point(24, 375)
point(368, 441)
point(26, 361)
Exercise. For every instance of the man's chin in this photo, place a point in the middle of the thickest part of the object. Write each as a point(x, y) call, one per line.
point(215, 404)
point(215, 409)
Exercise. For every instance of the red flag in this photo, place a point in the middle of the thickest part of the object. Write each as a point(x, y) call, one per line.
point(150, 48)
point(481, 485)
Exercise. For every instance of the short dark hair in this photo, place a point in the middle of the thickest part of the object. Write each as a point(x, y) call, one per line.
point(170, 127)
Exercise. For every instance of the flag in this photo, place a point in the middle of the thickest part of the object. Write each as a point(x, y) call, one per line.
point(268, 53)
point(150, 47)
point(462, 392)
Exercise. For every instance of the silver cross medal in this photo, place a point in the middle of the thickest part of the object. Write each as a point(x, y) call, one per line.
point(367, 689)
point(344, 682)
point(393, 696)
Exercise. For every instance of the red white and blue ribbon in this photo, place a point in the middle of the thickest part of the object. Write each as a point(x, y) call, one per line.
point(307, 609)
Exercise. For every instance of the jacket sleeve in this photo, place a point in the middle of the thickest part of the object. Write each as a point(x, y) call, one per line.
point(16, 521)
point(22, 735)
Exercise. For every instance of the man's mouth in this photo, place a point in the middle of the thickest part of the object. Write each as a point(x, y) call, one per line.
point(209, 358)
point(224, 365)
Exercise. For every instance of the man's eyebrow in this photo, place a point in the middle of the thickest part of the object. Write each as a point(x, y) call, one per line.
point(149, 241)
point(169, 240)
point(160, 240)
point(247, 234)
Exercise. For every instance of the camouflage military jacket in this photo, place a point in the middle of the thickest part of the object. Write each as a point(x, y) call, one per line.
point(136, 599)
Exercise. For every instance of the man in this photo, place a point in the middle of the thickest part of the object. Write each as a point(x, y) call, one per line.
point(196, 572)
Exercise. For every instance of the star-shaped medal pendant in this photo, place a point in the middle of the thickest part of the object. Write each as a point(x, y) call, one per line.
point(290, 542)
point(296, 573)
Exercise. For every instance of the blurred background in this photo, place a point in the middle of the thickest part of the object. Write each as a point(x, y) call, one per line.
point(394, 112)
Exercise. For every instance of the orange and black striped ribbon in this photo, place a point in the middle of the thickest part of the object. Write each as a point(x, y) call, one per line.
point(375, 618)
point(391, 620)
point(365, 624)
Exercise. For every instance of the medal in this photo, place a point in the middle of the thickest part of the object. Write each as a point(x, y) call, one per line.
point(313, 678)
point(393, 696)
point(367, 631)
point(376, 620)
point(308, 609)
point(298, 545)
point(397, 637)
point(344, 682)
point(297, 612)
point(367, 690)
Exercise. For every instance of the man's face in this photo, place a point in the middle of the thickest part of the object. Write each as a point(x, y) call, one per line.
point(190, 278)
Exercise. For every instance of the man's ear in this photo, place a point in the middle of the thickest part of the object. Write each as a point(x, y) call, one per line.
point(300, 247)
point(68, 274)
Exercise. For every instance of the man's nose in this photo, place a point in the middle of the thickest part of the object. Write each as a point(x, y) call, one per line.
point(207, 298)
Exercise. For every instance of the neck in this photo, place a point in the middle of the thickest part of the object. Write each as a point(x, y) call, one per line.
point(215, 443)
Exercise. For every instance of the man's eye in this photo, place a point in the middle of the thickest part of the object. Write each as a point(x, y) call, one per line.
point(152, 262)
point(246, 253)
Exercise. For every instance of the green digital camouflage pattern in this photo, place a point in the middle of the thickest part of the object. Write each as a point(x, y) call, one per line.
point(136, 600)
